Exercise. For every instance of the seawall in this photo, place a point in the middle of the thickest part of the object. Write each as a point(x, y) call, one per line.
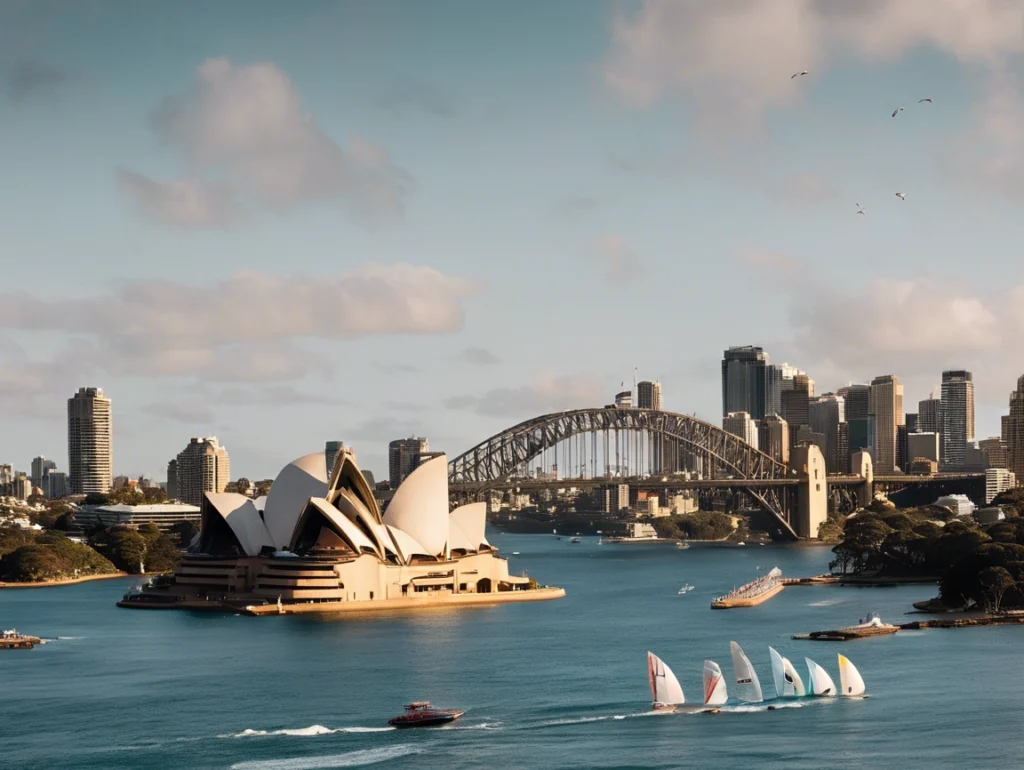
point(731, 602)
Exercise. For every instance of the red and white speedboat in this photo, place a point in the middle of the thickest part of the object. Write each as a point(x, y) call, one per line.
point(421, 714)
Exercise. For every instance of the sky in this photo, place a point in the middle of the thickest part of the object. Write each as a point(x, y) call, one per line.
point(283, 223)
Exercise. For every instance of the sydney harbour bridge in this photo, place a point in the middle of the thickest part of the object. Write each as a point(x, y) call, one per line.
point(657, 450)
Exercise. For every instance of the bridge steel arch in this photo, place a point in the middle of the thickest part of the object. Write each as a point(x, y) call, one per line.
point(493, 461)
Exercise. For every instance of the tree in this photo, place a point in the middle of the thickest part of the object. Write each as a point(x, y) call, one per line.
point(162, 555)
point(97, 498)
point(184, 531)
point(126, 496)
point(996, 581)
point(243, 485)
point(154, 496)
point(126, 548)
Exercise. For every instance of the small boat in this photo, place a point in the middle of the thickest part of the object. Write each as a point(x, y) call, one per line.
point(575, 540)
point(714, 685)
point(515, 553)
point(600, 541)
point(422, 714)
point(820, 682)
point(12, 640)
point(685, 589)
point(850, 681)
point(746, 676)
point(666, 692)
point(740, 543)
point(682, 545)
point(788, 683)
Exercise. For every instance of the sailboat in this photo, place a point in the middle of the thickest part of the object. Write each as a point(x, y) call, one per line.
point(746, 677)
point(666, 691)
point(714, 685)
point(819, 680)
point(788, 683)
point(849, 679)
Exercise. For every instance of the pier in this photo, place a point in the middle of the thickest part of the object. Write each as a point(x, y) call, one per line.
point(752, 594)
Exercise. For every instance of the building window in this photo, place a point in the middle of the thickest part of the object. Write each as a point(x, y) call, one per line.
point(817, 487)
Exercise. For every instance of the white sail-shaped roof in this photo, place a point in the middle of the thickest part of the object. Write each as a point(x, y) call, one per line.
point(346, 475)
point(407, 545)
point(348, 531)
point(295, 484)
point(459, 540)
point(471, 521)
point(244, 519)
point(420, 506)
point(353, 508)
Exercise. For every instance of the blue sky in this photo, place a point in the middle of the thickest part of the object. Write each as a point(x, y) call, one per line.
point(285, 223)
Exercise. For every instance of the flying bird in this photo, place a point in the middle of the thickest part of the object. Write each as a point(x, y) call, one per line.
point(926, 99)
point(897, 111)
point(860, 209)
point(901, 196)
point(797, 74)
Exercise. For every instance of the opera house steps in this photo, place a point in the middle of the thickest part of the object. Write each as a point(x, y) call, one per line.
point(319, 544)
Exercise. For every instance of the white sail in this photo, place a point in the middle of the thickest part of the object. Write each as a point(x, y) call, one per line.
point(746, 678)
point(778, 672)
point(665, 688)
point(818, 680)
point(714, 684)
point(849, 678)
point(794, 684)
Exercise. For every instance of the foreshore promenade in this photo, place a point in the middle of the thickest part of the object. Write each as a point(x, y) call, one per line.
point(412, 603)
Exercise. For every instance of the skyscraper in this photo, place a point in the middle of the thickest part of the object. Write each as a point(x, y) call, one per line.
point(825, 414)
point(648, 395)
point(929, 415)
point(1013, 431)
point(957, 416)
point(796, 404)
point(41, 467)
point(90, 442)
point(745, 381)
point(202, 466)
point(331, 450)
point(404, 457)
point(855, 400)
point(886, 405)
point(773, 437)
point(740, 424)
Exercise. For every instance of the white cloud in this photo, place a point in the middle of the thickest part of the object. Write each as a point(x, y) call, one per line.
point(189, 203)
point(617, 261)
point(248, 124)
point(547, 392)
point(735, 58)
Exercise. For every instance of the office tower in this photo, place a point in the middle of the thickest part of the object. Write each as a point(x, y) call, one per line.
point(886, 405)
point(994, 449)
point(923, 446)
point(742, 425)
point(910, 420)
point(202, 466)
point(745, 381)
point(796, 404)
point(1013, 431)
point(773, 437)
point(172, 480)
point(648, 395)
point(855, 400)
point(40, 468)
point(843, 447)
point(902, 461)
point(929, 415)
point(331, 450)
point(90, 442)
point(825, 414)
point(957, 416)
point(997, 481)
point(55, 485)
point(403, 457)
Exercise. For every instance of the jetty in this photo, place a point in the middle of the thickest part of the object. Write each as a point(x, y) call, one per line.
point(870, 626)
point(752, 594)
point(12, 640)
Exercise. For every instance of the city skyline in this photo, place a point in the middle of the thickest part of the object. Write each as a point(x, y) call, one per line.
point(501, 213)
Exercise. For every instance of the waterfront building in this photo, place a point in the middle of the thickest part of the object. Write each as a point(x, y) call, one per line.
point(648, 395)
point(994, 449)
point(331, 450)
point(164, 515)
point(773, 437)
point(957, 416)
point(1013, 431)
point(886, 405)
point(403, 457)
point(90, 442)
point(929, 415)
point(796, 403)
point(741, 424)
point(202, 466)
point(960, 505)
point(997, 481)
point(923, 445)
point(343, 553)
point(745, 381)
point(825, 414)
point(616, 498)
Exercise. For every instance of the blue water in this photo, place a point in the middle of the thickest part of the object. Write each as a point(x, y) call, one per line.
point(557, 684)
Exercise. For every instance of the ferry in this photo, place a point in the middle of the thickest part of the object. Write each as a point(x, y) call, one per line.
point(12, 640)
point(422, 714)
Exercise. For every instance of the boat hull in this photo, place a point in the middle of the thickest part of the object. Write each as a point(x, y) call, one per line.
point(426, 720)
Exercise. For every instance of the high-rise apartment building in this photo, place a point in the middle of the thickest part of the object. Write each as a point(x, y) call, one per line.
point(997, 481)
point(957, 416)
point(745, 381)
point(886, 405)
point(55, 485)
point(202, 466)
point(1013, 431)
point(741, 424)
point(825, 415)
point(773, 437)
point(648, 395)
point(90, 442)
point(404, 457)
point(929, 415)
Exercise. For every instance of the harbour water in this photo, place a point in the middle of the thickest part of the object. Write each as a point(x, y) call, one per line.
point(559, 684)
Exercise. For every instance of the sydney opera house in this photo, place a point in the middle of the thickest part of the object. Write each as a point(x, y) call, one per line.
point(321, 544)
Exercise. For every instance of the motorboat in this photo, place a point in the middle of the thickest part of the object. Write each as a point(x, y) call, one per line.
point(682, 545)
point(422, 714)
point(685, 589)
point(575, 540)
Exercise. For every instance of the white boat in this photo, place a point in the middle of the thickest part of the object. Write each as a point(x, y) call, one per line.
point(818, 680)
point(515, 553)
point(685, 589)
point(746, 676)
point(788, 683)
point(740, 543)
point(666, 692)
point(682, 546)
point(849, 679)
point(714, 685)
point(871, 621)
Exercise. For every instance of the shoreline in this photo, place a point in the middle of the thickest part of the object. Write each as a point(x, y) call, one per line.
point(68, 581)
